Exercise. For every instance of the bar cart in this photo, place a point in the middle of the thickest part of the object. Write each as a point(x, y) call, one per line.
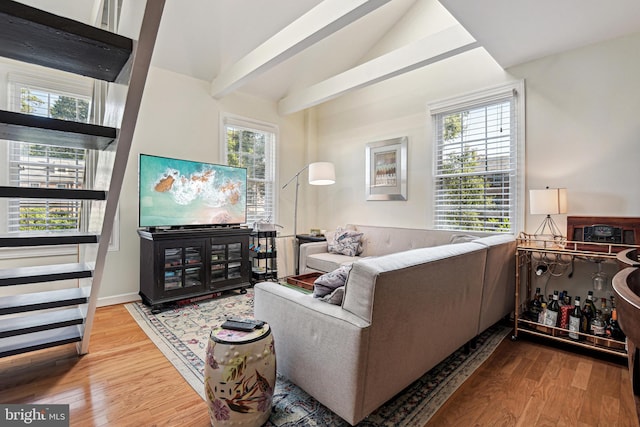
point(554, 253)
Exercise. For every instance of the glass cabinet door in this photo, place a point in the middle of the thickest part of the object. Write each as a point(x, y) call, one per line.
point(218, 263)
point(235, 260)
point(227, 263)
point(182, 268)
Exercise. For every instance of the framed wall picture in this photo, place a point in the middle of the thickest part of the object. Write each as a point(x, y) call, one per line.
point(386, 169)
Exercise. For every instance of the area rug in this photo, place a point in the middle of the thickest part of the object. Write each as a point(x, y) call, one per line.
point(181, 333)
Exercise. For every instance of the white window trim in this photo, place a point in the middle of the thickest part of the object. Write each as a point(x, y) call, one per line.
point(487, 95)
point(236, 120)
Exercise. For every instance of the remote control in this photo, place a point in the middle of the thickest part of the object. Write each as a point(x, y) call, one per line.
point(238, 326)
point(257, 323)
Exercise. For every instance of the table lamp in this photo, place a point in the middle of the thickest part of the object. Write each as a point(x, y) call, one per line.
point(550, 201)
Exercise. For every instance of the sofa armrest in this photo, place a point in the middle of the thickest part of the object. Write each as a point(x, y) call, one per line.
point(307, 249)
point(319, 346)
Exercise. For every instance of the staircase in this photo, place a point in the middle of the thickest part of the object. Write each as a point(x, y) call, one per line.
point(37, 320)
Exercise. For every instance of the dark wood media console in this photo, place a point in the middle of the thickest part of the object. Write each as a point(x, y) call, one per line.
point(179, 264)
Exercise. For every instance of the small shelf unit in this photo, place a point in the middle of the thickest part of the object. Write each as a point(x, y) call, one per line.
point(263, 254)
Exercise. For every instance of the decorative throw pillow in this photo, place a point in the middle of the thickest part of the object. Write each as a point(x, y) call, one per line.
point(334, 297)
point(462, 238)
point(345, 242)
point(327, 283)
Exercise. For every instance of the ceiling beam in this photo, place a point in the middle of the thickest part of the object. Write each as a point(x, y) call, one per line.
point(436, 47)
point(320, 22)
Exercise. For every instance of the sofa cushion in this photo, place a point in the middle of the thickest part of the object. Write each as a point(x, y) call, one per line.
point(328, 282)
point(345, 242)
point(379, 241)
point(328, 262)
point(462, 238)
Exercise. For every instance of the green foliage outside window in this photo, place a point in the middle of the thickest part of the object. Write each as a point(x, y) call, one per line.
point(36, 218)
point(464, 184)
point(40, 218)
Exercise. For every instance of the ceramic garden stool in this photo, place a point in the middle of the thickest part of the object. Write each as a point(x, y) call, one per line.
point(240, 376)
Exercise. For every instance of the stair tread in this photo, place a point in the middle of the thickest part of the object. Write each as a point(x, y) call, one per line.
point(38, 340)
point(38, 37)
point(46, 238)
point(43, 300)
point(52, 193)
point(23, 127)
point(44, 273)
point(35, 322)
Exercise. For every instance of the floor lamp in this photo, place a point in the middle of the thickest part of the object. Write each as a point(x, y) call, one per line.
point(550, 201)
point(320, 173)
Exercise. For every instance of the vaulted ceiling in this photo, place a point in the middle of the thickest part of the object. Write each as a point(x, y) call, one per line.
point(304, 52)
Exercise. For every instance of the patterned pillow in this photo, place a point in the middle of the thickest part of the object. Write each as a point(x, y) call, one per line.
point(327, 283)
point(334, 297)
point(462, 238)
point(345, 242)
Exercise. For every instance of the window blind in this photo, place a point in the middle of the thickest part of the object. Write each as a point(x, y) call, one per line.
point(36, 165)
point(475, 170)
point(253, 147)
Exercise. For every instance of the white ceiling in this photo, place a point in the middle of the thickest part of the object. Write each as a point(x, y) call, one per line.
point(205, 38)
point(202, 38)
point(518, 31)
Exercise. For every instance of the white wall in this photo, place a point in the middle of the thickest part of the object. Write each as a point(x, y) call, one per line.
point(394, 108)
point(178, 118)
point(582, 132)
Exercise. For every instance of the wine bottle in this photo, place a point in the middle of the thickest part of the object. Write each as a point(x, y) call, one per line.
point(565, 313)
point(575, 321)
point(535, 306)
point(551, 317)
point(597, 325)
point(606, 311)
point(613, 329)
point(543, 312)
point(588, 312)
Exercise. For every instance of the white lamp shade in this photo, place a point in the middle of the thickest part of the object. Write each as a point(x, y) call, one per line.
point(549, 201)
point(322, 173)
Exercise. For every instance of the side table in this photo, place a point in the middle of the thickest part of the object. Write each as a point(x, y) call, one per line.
point(306, 238)
point(240, 376)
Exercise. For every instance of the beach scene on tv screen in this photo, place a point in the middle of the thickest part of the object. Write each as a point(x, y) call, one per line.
point(176, 192)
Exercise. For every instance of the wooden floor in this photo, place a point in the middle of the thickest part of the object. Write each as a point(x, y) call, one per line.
point(126, 381)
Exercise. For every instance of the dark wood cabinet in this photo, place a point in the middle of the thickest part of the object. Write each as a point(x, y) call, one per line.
point(183, 264)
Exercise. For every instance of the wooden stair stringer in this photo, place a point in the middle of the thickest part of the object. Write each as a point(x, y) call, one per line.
point(143, 51)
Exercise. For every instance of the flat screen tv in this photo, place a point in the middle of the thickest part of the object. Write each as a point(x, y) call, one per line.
point(183, 193)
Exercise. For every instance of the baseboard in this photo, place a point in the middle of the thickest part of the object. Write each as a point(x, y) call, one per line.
point(118, 299)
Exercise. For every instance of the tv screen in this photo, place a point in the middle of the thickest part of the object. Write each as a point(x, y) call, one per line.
point(174, 192)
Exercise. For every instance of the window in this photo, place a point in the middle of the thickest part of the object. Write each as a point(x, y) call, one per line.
point(46, 166)
point(477, 161)
point(252, 145)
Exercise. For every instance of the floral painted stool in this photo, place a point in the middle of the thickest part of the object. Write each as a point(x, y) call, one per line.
point(240, 376)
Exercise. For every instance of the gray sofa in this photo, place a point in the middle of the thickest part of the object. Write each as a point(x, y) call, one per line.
point(402, 314)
